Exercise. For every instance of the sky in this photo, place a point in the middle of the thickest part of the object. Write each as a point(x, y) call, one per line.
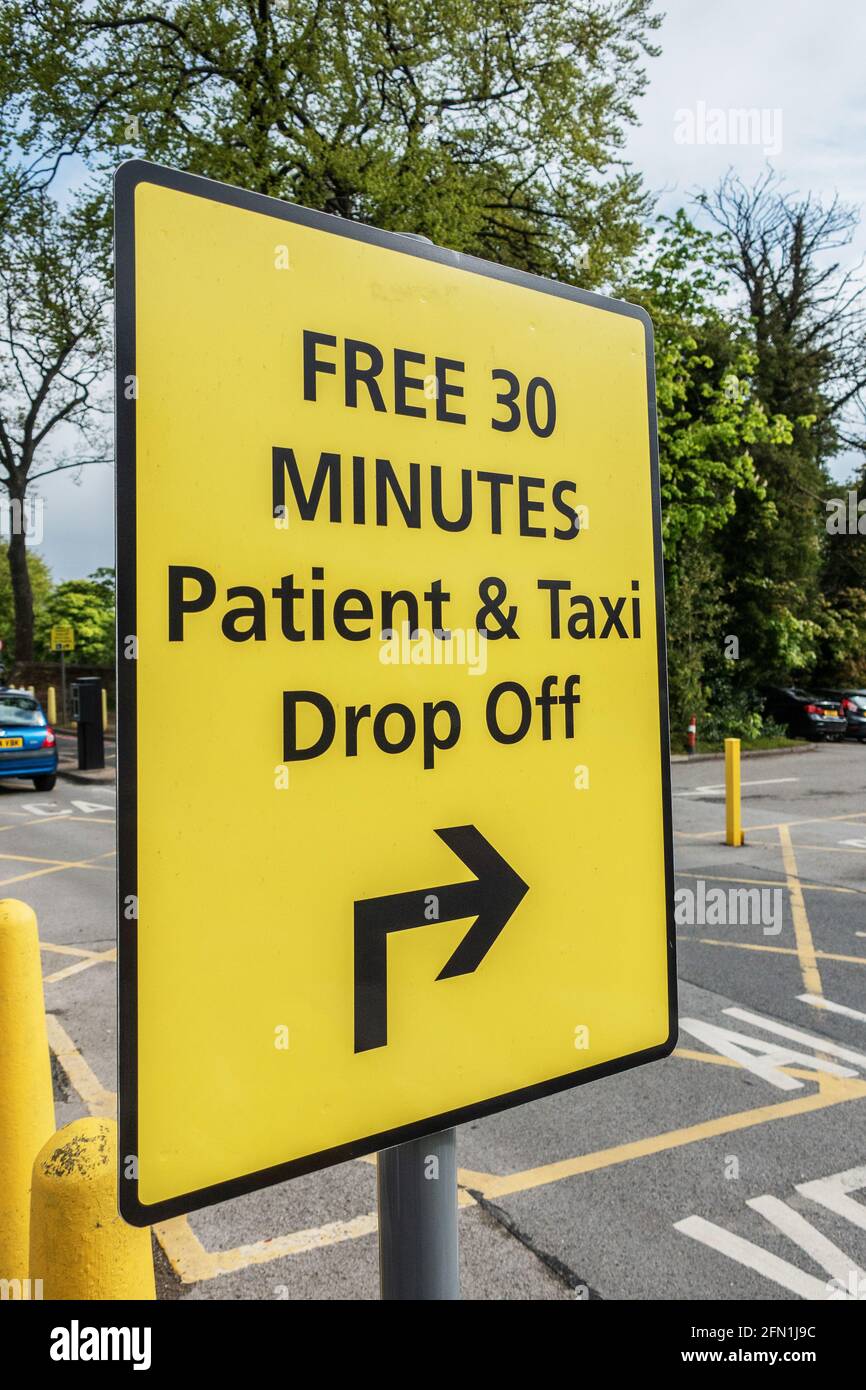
point(797, 62)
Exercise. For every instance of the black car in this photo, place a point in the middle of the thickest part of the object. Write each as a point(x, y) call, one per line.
point(852, 701)
point(804, 715)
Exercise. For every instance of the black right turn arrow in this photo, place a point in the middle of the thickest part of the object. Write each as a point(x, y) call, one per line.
point(491, 898)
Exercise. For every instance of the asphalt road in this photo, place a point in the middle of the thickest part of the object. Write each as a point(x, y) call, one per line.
point(727, 1171)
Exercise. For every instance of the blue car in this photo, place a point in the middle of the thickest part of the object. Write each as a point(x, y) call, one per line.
point(28, 747)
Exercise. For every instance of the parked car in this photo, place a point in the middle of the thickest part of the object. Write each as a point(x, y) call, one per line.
point(852, 701)
point(804, 715)
point(28, 747)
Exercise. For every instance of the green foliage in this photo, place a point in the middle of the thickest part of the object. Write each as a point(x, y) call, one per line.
point(709, 422)
point(749, 394)
point(40, 579)
point(53, 294)
point(493, 126)
point(841, 645)
point(731, 712)
point(88, 604)
point(807, 326)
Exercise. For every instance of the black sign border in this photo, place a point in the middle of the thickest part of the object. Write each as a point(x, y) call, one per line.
point(127, 178)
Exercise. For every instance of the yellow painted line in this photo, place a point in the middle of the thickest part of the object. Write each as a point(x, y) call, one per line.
point(691, 1055)
point(468, 1177)
point(52, 820)
point(66, 950)
point(58, 869)
point(853, 817)
point(91, 820)
point(673, 1139)
point(777, 950)
point(179, 1242)
point(60, 866)
point(716, 1060)
point(86, 1082)
point(32, 859)
point(769, 883)
point(802, 931)
point(95, 959)
point(34, 820)
point(823, 849)
point(185, 1252)
point(192, 1263)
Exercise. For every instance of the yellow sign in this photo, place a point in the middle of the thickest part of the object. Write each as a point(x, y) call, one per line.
point(395, 836)
point(63, 638)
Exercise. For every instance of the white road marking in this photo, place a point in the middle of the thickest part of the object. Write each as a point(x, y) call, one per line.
point(90, 807)
point(857, 844)
point(837, 1264)
point(847, 1280)
point(847, 1054)
point(832, 1193)
point(718, 787)
point(832, 1008)
point(753, 1257)
point(762, 1058)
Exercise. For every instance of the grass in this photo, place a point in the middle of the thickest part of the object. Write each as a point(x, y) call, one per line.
point(746, 744)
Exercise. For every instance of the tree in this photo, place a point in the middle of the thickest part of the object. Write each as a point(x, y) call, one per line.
point(808, 329)
point(40, 582)
point(88, 604)
point(493, 126)
point(710, 423)
point(841, 644)
point(53, 329)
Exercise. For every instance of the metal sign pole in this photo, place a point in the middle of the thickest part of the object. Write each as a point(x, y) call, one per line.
point(63, 684)
point(417, 1198)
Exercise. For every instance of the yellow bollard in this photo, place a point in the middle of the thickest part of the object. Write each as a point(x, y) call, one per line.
point(31, 691)
point(26, 1097)
point(104, 709)
point(79, 1246)
point(733, 819)
point(51, 706)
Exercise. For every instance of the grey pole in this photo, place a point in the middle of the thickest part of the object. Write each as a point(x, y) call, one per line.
point(417, 1199)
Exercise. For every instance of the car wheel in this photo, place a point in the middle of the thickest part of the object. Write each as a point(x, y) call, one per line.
point(46, 782)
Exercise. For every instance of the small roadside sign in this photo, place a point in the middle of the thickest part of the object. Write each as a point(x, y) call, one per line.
point(62, 638)
point(395, 842)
